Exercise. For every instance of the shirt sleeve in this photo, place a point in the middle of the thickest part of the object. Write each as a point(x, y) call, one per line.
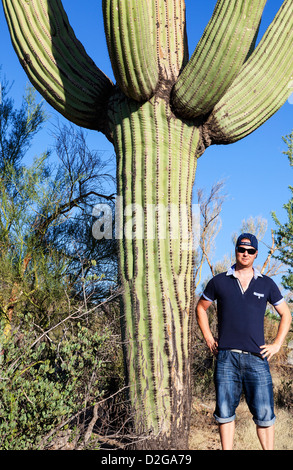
point(210, 292)
point(275, 296)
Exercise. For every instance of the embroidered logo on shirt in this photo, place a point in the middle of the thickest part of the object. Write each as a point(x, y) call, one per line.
point(258, 294)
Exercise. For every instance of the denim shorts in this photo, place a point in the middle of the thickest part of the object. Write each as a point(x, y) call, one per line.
point(236, 373)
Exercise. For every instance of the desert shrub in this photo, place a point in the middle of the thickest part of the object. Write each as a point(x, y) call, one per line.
point(285, 394)
point(45, 384)
point(284, 391)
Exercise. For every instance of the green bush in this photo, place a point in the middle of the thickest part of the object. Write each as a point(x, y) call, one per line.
point(44, 386)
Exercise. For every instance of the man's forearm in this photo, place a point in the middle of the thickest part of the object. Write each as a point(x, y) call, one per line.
point(283, 329)
point(285, 322)
point(268, 350)
point(203, 323)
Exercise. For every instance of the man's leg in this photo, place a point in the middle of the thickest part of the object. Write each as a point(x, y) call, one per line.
point(227, 435)
point(228, 386)
point(266, 436)
point(260, 399)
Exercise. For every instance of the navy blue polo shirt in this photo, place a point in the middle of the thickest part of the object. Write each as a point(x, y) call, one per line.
point(241, 314)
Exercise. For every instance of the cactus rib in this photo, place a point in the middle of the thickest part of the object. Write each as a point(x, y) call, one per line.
point(218, 57)
point(261, 87)
point(56, 62)
point(172, 49)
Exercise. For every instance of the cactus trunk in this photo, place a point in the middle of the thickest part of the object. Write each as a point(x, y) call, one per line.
point(156, 168)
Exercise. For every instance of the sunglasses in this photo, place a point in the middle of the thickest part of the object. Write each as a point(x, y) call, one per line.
point(250, 251)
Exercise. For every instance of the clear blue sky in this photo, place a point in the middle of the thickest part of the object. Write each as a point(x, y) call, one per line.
point(257, 174)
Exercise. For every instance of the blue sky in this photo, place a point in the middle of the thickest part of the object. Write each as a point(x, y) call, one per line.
point(257, 174)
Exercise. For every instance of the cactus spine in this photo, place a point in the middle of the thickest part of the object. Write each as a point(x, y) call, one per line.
point(161, 115)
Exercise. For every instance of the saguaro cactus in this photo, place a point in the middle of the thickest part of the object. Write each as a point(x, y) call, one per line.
point(161, 114)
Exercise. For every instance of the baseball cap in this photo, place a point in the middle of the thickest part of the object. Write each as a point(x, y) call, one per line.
point(253, 240)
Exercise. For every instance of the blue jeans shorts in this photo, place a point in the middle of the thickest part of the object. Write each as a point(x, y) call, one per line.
point(236, 373)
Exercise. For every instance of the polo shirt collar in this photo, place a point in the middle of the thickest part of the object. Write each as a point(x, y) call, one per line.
point(231, 272)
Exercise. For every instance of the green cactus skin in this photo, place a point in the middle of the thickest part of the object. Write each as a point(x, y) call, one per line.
point(161, 115)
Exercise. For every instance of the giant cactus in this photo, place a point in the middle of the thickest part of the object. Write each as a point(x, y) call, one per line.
point(161, 114)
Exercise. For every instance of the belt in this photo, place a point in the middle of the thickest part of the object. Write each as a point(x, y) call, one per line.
point(239, 351)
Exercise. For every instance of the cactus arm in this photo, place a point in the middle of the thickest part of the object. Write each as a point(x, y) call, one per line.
point(218, 57)
point(56, 62)
point(262, 86)
point(132, 46)
point(147, 44)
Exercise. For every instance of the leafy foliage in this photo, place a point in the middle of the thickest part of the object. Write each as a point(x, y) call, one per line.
point(44, 385)
point(284, 232)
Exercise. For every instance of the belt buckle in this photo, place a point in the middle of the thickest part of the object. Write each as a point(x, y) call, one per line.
point(239, 351)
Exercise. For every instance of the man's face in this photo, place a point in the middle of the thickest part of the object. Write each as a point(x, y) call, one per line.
point(245, 259)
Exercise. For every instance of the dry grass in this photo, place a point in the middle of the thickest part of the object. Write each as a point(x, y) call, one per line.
point(204, 430)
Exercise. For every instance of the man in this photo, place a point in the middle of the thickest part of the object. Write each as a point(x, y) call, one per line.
point(242, 294)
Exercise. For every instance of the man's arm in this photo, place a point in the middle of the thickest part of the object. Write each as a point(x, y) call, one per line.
point(203, 323)
point(268, 350)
